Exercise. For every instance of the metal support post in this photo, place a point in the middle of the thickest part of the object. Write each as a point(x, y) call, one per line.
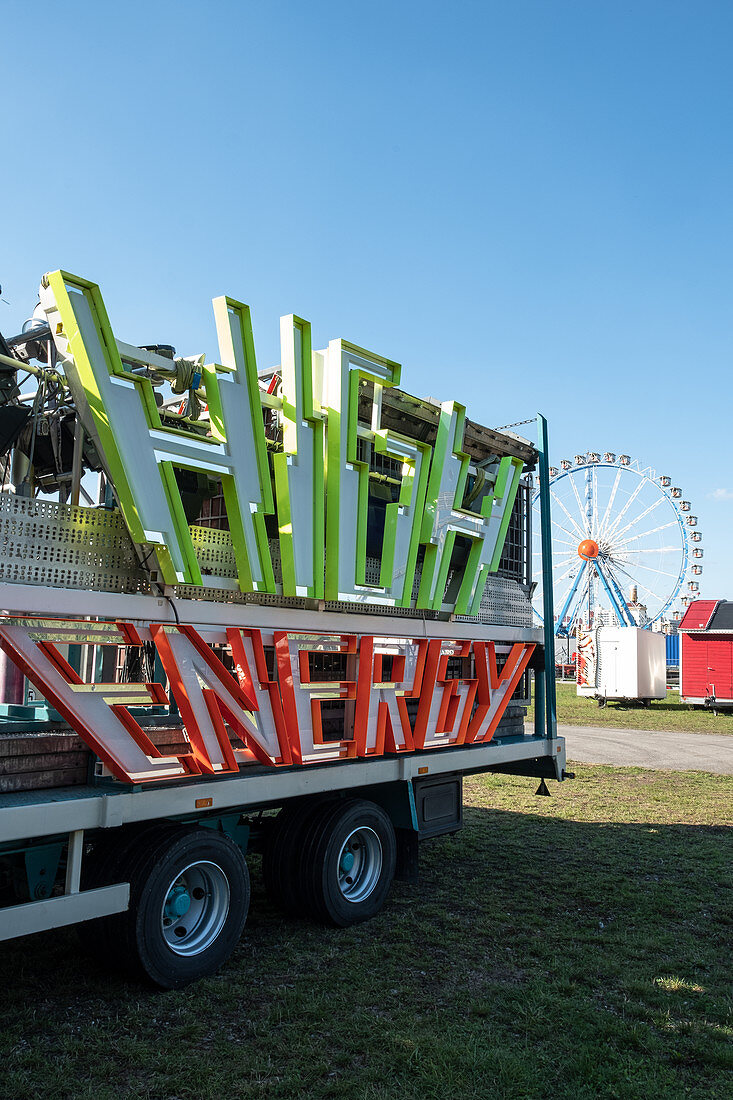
point(73, 862)
point(76, 462)
point(547, 600)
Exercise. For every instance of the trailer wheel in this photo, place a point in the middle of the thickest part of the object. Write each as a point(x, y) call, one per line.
point(189, 897)
point(348, 862)
point(103, 867)
point(283, 853)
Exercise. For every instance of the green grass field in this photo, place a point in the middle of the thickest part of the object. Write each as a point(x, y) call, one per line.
point(662, 714)
point(569, 947)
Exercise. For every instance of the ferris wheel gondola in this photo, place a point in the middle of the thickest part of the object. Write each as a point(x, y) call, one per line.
point(625, 544)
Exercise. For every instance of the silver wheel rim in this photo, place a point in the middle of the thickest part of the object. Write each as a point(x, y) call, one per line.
point(195, 908)
point(359, 864)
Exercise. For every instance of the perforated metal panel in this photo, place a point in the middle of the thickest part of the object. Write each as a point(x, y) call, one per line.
point(64, 546)
point(215, 595)
point(372, 569)
point(504, 603)
point(214, 552)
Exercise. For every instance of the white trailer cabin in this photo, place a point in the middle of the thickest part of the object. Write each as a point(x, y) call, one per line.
point(621, 662)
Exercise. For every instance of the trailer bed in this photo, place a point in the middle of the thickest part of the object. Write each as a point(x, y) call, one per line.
point(65, 809)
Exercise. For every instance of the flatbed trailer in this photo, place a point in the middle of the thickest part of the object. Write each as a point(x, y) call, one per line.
point(327, 726)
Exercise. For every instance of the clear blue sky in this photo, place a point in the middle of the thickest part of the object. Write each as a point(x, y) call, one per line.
point(527, 203)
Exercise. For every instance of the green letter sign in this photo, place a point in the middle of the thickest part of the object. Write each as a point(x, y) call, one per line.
point(325, 436)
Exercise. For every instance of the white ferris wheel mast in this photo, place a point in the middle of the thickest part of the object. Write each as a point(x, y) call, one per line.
point(624, 542)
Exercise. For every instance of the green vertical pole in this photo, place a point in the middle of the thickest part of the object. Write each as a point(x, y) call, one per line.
point(548, 609)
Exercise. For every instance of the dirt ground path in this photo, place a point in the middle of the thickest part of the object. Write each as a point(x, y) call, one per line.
point(649, 749)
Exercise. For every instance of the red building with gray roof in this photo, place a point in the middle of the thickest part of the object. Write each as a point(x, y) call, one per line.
point(706, 653)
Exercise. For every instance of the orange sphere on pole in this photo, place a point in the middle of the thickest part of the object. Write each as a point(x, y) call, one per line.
point(588, 549)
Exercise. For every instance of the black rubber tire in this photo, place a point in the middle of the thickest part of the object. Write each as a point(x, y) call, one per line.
point(282, 856)
point(276, 851)
point(318, 868)
point(103, 867)
point(150, 863)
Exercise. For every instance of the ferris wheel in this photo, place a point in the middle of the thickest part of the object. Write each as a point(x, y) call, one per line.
point(625, 544)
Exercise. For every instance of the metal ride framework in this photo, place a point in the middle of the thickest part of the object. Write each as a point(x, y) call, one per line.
point(623, 539)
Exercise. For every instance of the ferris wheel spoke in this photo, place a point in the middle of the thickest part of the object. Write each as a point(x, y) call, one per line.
point(583, 594)
point(560, 504)
point(605, 572)
point(569, 575)
point(648, 568)
point(569, 572)
point(655, 550)
point(579, 603)
point(654, 595)
point(614, 592)
point(639, 584)
point(583, 524)
point(557, 554)
point(561, 601)
point(609, 506)
point(573, 620)
point(568, 596)
point(641, 516)
point(556, 523)
point(624, 510)
point(566, 592)
point(564, 542)
point(651, 531)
